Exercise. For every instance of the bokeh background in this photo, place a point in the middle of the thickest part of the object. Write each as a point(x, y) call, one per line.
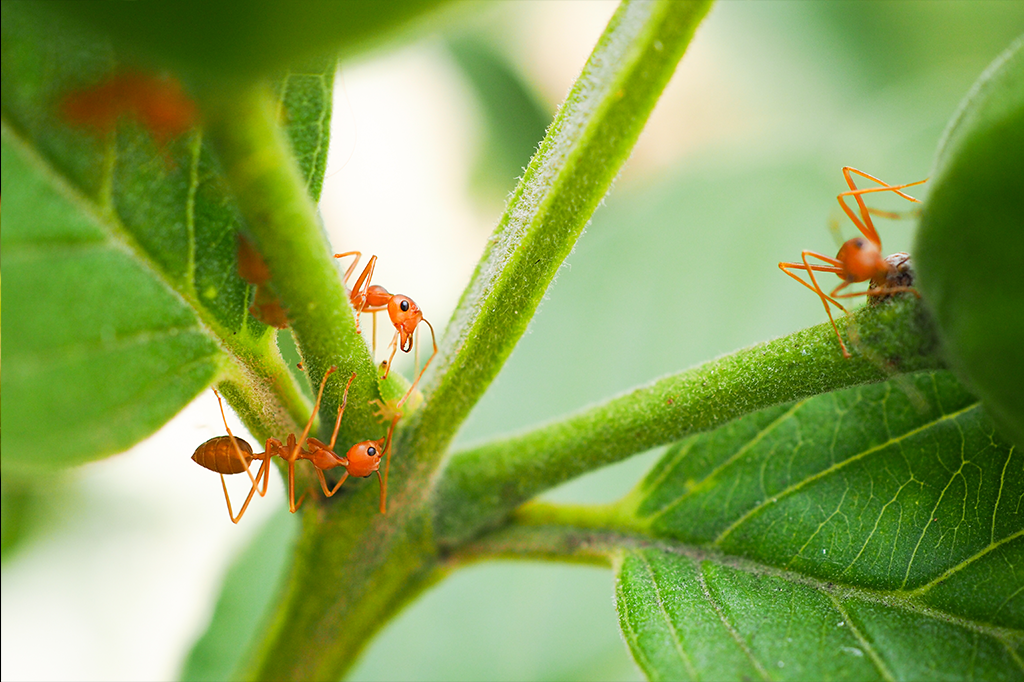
point(114, 571)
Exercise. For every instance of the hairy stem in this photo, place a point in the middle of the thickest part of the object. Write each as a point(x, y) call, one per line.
point(481, 485)
point(591, 137)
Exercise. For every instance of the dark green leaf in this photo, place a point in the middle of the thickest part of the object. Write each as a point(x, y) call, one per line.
point(970, 242)
point(893, 509)
point(252, 39)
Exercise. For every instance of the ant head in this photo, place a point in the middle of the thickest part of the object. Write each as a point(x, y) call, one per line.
point(364, 458)
point(405, 315)
point(862, 259)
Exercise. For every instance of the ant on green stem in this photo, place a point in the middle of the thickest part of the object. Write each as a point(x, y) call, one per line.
point(859, 259)
point(231, 455)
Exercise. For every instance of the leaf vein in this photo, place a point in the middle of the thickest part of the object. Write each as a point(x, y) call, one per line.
point(836, 467)
point(728, 626)
point(876, 659)
point(668, 620)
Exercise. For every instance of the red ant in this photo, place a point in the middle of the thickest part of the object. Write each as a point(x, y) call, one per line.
point(266, 307)
point(230, 455)
point(859, 259)
point(158, 103)
point(404, 313)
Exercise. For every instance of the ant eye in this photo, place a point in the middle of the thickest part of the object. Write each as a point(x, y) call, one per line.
point(371, 452)
point(859, 243)
point(404, 305)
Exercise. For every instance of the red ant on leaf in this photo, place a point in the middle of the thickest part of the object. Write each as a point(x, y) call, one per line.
point(859, 259)
point(230, 455)
point(158, 103)
point(404, 313)
point(266, 307)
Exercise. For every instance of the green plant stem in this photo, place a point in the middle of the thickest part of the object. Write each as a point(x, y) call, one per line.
point(480, 486)
point(591, 137)
point(353, 567)
point(273, 199)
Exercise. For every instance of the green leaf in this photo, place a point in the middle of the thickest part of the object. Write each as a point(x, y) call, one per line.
point(216, 39)
point(870, 533)
point(970, 241)
point(685, 618)
point(123, 299)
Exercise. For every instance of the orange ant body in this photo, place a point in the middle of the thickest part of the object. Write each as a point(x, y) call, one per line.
point(158, 103)
point(404, 313)
point(266, 307)
point(859, 259)
point(230, 455)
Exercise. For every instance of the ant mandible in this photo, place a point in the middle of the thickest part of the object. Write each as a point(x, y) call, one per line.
point(859, 259)
point(231, 455)
point(404, 313)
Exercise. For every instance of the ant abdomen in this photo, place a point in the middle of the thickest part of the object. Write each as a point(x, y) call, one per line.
point(219, 455)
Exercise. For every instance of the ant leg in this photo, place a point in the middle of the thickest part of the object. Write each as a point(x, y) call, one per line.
point(351, 268)
point(234, 443)
point(429, 360)
point(834, 267)
point(227, 498)
point(836, 270)
point(896, 215)
point(865, 225)
point(884, 186)
point(341, 411)
point(394, 349)
point(245, 505)
point(323, 483)
point(387, 465)
point(825, 299)
point(361, 290)
point(374, 342)
point(316, 408)
point(292, 506)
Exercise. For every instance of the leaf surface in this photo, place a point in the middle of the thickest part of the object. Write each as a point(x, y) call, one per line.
point(875, 532)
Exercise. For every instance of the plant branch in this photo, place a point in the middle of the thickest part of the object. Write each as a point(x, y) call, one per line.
point(586, 145)
point(481, 485)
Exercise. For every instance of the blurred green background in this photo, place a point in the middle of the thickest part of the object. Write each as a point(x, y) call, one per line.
point(737, 170)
